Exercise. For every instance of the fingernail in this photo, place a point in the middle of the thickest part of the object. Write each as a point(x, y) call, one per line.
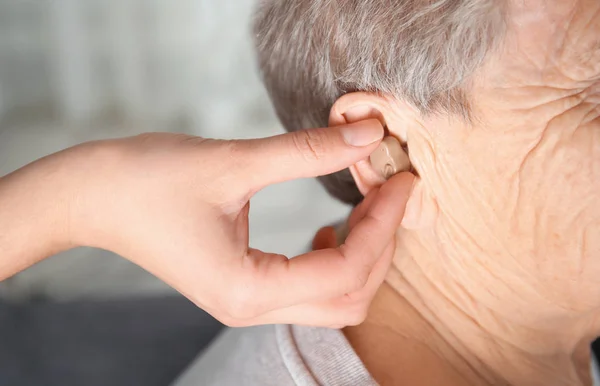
point(361, 134)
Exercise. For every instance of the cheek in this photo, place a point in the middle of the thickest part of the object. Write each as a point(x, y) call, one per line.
point(521, 203)
point(560, 188)
point(555, 219)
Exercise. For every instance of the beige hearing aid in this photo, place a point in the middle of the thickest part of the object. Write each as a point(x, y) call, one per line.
point(389, 158)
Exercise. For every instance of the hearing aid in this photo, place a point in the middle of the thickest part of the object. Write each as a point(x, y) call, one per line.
point(390, 158)
point(387, 160)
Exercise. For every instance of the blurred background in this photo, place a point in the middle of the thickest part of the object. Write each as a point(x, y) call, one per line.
point(78, 70)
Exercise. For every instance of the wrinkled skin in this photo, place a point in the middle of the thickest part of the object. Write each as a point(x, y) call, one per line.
point(518, 193)
point(505, 262)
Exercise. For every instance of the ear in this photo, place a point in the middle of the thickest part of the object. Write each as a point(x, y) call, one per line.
point(399, 118)
point(360, 106)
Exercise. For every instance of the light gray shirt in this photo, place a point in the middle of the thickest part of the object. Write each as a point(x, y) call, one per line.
point(278, 356)
point(284, 355)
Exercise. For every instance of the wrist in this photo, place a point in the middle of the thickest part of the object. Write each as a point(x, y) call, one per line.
point(92, 183)
point(33, 213)
point(56, 203)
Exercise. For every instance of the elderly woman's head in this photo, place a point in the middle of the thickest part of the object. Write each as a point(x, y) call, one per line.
point(498, 104)
point(420, 53)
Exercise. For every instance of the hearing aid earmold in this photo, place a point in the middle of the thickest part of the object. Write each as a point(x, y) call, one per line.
point(390, 158)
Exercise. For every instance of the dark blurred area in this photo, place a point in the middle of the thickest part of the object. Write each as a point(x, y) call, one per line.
point(96, 343)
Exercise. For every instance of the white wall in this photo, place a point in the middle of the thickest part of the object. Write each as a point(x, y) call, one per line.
point(23, 53)
point(148, 59)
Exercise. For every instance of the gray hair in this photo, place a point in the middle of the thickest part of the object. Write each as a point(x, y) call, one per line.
point(311, 52)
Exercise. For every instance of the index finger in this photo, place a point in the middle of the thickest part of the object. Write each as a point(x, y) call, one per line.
point(330, 273)
point(307, 153)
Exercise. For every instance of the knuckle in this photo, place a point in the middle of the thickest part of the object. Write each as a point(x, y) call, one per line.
point(191, 139)
point(224, 174)
point(146, 137)
point(234, 161)
point(229, 152)
point(310, 144)
point(232, 149)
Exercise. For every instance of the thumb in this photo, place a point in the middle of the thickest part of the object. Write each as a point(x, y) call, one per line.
point(307, 153)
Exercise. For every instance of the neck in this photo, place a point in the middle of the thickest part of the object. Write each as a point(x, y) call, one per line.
point(424, 318)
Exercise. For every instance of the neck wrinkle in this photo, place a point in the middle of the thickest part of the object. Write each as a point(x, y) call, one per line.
point(457, 354)
point(490, 347)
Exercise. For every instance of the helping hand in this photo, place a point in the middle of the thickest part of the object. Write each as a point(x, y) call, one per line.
point(178, 206)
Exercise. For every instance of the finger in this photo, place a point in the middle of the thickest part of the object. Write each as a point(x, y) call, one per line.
point(361, 209)
point(324, 314)
point(340, 232)
point(328, 237)
point(329, 273)
point(340, 312)
point(379, 273)
point(307, 153)
point(320, 314)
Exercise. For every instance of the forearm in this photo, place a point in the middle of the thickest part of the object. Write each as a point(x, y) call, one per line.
point(34, 212)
